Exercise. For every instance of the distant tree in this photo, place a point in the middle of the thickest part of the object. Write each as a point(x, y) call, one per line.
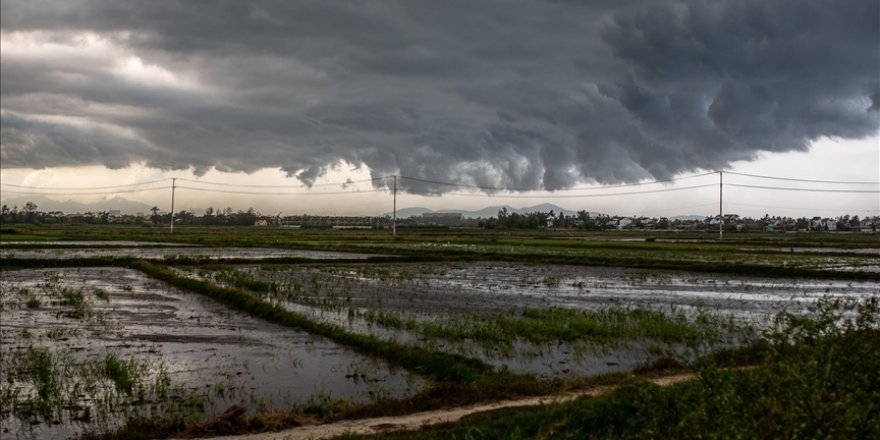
point(208, 218)
point(30, 212)
point(663, 223)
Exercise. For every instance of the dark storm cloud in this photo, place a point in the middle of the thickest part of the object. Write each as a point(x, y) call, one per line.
point(529, 94)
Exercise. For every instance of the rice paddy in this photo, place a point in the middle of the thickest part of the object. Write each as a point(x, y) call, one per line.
point(100, 335)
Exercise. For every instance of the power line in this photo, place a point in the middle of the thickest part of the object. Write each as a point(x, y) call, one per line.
point(496, 188)
point(572, 196)
point(779, 188)
point(677, 209)
point(263, 193)
point(791, 179)
point(101, 193)
point(237, 185)
point(800, 209)
point(90, 188)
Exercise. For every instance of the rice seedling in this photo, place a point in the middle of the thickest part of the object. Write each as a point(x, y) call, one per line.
point(102, 294)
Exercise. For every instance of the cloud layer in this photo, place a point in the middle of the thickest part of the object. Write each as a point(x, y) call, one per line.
point(531, 94)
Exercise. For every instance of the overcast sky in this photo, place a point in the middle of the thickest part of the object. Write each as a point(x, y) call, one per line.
point(524, 95)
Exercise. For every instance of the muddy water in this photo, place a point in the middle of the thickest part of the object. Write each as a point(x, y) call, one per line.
point(159, 252)
point(494, 287)
point(227, 356)
point(428, 292)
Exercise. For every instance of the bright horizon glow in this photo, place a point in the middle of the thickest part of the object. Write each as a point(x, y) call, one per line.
point(828, 159)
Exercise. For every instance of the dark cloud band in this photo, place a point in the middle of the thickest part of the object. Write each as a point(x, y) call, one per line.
point(531, 95)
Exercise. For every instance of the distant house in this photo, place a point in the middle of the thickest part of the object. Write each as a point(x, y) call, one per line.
point(442, 218)
point(261, 222)
point(829, 224)
point(866, 225)
point(624, 222)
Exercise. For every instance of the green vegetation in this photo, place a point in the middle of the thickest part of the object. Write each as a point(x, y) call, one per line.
point(759, 254)
point(102, 295)
point(123, 374)
point(816, 378)
point(41, 384)
point(604, 326)
point(33, 303)
point(585, 329)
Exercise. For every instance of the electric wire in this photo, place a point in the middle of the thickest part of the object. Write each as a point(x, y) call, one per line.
point(779, 188)
point(495, 188)
point(241, 185)
point(574, 196)
point(682, 208)
point(791, 179)
point(89, 188)
point(798, 209)
point(264, 193)
point(101, 193)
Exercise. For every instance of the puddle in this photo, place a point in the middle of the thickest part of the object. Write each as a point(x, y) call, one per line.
point(225, 356)
point(816, 250)
point(154, 253)
point(93, 243)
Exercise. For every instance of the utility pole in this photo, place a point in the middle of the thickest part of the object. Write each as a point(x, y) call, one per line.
point(720, 205)
point(173, 186)
point(394, 214)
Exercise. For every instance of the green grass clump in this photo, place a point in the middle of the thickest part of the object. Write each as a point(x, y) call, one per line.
point(602, 327)
point(124, 374)
point(76, 300)
point(102, 295)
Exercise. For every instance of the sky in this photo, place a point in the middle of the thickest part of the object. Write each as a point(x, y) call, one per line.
point(520, 102)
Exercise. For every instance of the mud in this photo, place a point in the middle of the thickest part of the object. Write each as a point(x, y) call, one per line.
point(152, 252)
point(233, 358)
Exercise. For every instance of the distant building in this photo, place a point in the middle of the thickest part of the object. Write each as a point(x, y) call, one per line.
point(442, 218)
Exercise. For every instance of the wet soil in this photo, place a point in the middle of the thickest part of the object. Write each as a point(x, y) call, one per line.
point(160, 252)
point(229, 356)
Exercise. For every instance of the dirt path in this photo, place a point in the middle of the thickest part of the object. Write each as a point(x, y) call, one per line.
point(418, 420)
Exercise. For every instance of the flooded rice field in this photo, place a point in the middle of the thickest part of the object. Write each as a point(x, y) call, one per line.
point(151, 252)
point(489, 310)
point(490, 287)
point(85, 348)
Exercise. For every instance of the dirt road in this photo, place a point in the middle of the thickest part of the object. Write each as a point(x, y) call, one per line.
point(418, 420)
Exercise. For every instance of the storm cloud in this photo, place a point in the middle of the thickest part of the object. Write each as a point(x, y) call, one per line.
point(526, 94)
